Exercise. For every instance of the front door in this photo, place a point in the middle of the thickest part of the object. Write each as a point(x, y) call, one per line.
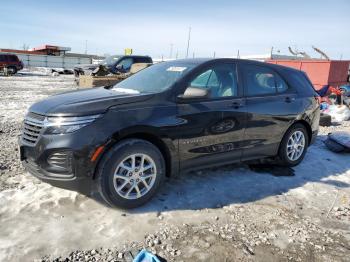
point(212, 127)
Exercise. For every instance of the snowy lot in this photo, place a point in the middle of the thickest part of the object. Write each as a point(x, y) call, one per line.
point(225, 214)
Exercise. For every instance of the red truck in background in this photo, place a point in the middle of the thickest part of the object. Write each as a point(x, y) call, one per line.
point(10, 63)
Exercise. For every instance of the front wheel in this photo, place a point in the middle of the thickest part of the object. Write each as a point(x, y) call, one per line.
point(131, 173)
point(293, 146)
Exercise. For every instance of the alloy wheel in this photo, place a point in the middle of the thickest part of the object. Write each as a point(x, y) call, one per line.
point(295, 145)
point(134, 176)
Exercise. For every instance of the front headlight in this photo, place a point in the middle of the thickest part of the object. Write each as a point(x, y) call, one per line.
point(64, 125)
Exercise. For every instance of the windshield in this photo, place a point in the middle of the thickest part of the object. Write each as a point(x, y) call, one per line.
point(110, 60)
point(154, 79)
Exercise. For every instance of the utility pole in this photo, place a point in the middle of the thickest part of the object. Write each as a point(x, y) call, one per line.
point(171, 51)
point(85, 47)
point(177, 53)
point(193, 55)
point(188, 41)
point(214, 54)
point(238, 55)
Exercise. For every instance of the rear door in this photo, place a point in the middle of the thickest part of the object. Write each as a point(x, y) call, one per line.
point(213, 127)
point(272, 106)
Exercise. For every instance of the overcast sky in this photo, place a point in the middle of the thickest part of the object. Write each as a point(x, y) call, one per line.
point(150, 27)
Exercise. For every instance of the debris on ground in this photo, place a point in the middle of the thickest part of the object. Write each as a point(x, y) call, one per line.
point(338, 141)
point(325, 119)
point(338, 113)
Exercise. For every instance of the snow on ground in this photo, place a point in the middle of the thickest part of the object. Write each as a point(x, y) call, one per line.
point(207, 215)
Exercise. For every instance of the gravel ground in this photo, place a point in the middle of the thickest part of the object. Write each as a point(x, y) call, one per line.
point(236, 215)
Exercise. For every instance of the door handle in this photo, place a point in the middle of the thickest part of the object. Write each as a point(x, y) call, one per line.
point(289, 99)
point(237, 104)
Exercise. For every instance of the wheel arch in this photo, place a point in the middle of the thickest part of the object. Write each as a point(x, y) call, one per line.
point(149, 136)
point(302, 122)
point(158, 142)
point(307, 127)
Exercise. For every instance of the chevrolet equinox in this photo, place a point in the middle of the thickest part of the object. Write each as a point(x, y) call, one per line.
point(172, 117)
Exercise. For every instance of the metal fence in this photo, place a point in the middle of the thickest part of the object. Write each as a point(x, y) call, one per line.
point(66, 62)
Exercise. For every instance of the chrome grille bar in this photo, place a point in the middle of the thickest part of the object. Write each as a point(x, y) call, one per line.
point(32, 126)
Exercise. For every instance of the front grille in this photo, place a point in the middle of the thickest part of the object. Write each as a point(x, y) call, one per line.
point(33, 124)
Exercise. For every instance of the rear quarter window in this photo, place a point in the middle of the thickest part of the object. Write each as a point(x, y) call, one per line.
point(12, 58)
point(301, 82)
point(142, 60)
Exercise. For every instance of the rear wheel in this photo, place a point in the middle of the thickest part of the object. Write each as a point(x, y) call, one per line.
point(293, 146)
point(11, 70)
point(131, 173)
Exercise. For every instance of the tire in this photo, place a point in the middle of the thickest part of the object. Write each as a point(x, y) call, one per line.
point(286, 158)
point(11, 70)
point(118, 160)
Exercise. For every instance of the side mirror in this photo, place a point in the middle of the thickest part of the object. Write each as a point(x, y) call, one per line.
point(194, 93)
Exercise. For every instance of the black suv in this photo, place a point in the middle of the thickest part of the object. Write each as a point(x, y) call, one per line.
point(114, 64)
point(11, 63)
point(167, 119)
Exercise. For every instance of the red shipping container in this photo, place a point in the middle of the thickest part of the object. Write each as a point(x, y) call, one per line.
point(320, 72)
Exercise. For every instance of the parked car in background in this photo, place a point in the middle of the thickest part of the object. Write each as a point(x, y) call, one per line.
point(113, 64)
point(167, 119)
point(10, 63)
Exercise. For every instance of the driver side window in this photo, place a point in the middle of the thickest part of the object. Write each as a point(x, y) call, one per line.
point(126, 63)
point(220, 80)
point(205, 80)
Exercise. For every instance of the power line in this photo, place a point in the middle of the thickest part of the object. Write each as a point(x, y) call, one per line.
point(171, 51)
point(188, 41)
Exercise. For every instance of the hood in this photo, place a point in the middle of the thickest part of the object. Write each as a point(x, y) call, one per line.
point(85, 102)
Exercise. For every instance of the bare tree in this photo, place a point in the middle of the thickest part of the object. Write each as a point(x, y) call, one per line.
point(25, 46)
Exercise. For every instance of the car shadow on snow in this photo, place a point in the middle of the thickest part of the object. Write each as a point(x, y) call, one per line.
point(235, 184)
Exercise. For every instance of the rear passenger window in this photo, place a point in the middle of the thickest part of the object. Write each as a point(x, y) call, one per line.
point(262, 81)
point(12, 58)
point(3, 58)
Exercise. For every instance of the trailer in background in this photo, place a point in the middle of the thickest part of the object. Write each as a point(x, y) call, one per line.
point(321, 72)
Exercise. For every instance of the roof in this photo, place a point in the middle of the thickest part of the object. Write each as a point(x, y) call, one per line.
point(204, 60)
point(198, 61)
